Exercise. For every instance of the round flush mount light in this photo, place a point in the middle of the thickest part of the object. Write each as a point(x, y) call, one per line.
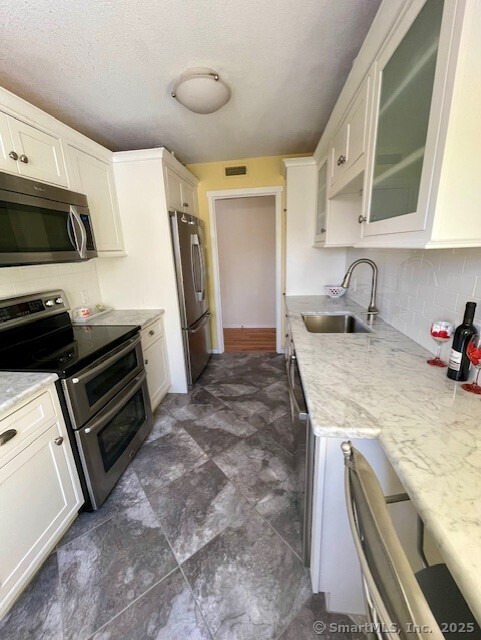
point(201, 90)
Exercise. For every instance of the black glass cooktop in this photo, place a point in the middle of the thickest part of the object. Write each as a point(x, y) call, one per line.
point(54, 345)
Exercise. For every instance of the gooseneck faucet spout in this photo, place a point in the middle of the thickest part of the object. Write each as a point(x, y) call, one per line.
point(372, 310)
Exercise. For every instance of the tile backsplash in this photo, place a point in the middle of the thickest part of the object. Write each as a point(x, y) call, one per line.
point(419, 286)
point(74, 278)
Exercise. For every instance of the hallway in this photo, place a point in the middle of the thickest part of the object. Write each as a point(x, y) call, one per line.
point(200, 539)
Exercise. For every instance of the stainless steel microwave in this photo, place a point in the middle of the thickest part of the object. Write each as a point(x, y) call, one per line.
point(40, 223)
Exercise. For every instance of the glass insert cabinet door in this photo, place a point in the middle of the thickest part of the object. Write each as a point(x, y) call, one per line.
point(405, 96)
point(321, 203)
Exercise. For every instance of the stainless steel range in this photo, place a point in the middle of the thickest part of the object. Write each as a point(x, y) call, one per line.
point(102, 386)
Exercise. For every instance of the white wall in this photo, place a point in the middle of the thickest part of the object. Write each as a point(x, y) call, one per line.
point(246, 241)
point(73, 278)
point(417, 287)
point(308, 269)
point(145, 279)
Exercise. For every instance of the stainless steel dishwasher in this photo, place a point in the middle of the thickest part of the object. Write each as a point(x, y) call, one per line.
point(304, 449)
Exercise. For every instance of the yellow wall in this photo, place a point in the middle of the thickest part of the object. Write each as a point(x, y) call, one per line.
point(261, 172)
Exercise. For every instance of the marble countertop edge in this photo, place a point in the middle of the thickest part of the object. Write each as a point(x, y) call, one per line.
point(17, 386)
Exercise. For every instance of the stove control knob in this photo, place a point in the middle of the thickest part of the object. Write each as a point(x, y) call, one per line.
point(58, 300)
point(49, 303)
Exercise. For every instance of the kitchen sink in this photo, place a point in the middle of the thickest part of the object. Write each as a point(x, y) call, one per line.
point(334, 323)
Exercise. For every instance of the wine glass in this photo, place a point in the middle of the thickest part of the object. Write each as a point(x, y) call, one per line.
point(473, 351)
point(441, 332)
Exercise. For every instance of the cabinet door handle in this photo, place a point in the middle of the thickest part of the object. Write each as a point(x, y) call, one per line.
point(341, 160)
point(146, 361)
point(151, 332)
point(7, 435)
point(24, 159)
point(361, 219)
point(58, 441)
point(13, 155)
point(185, 204)
point(323, 231)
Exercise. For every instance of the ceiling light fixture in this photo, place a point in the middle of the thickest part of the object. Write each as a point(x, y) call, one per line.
point(201, 90)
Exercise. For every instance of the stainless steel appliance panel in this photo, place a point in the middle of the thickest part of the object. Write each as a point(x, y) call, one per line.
point(304, 451)
point(110, 440)
point(190, 263)
point(198, 338)
point(92, 388)
point(40, 223)
point(189, 254)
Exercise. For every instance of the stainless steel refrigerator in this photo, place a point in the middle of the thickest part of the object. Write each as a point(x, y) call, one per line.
point(188, 244)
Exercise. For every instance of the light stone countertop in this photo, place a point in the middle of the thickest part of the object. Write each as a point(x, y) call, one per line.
point(141, 317)
point(18, 386)
point(379, 385)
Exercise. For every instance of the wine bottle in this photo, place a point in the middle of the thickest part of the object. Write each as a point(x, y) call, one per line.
point(458, 367)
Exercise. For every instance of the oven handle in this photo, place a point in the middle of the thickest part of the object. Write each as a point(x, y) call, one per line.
point(295, 408)
point(109, 412)
point(118, 353)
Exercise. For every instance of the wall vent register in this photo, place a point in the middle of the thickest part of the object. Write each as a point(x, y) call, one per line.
point(240, 170)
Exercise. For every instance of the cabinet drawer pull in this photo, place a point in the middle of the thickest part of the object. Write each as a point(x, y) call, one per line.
point(151, 332)
point(341, 160)
point(13, 155)
point(58, 441)
point(323, 231)
point(185, 204)
point(361, 219)
point(24, 159)
point(146, 361)
point(7, 435)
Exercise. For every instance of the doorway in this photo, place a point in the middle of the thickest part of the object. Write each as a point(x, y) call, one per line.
point(246, 245)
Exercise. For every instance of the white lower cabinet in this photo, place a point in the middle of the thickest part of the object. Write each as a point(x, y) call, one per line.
point(156, 362)
point(40, 494)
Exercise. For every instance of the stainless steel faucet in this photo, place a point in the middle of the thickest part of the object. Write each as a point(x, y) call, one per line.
point(372, 310)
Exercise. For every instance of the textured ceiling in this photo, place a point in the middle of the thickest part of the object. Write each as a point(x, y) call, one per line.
point(106, 68)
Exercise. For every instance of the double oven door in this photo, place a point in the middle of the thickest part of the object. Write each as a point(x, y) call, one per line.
point(110, 412)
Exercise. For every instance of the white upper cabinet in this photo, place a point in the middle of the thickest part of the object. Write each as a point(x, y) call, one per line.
point(349, 144)
point(321, 209)
point(403, 139)
point(174, 190)
point(189, 198)
point(30, 152)
point(181, 195)
point(402, 150)
point(95, 179)
point(8, 157)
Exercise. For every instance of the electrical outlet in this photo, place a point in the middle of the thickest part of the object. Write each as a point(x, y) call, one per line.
point(85, 296)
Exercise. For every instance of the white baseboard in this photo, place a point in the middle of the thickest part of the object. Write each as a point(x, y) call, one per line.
point(249, 326)
point(214, 351)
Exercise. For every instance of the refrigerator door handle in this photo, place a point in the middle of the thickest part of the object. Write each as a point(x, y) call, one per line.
point(202, 268)
point(196, 266)
point(202, 322)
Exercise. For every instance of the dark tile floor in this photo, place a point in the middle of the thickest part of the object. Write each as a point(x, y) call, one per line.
point(200, 539)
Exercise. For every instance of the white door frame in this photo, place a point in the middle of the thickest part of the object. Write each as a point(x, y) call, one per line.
point(212, 197)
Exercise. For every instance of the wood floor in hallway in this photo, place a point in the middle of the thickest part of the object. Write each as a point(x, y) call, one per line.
point(241, 340)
